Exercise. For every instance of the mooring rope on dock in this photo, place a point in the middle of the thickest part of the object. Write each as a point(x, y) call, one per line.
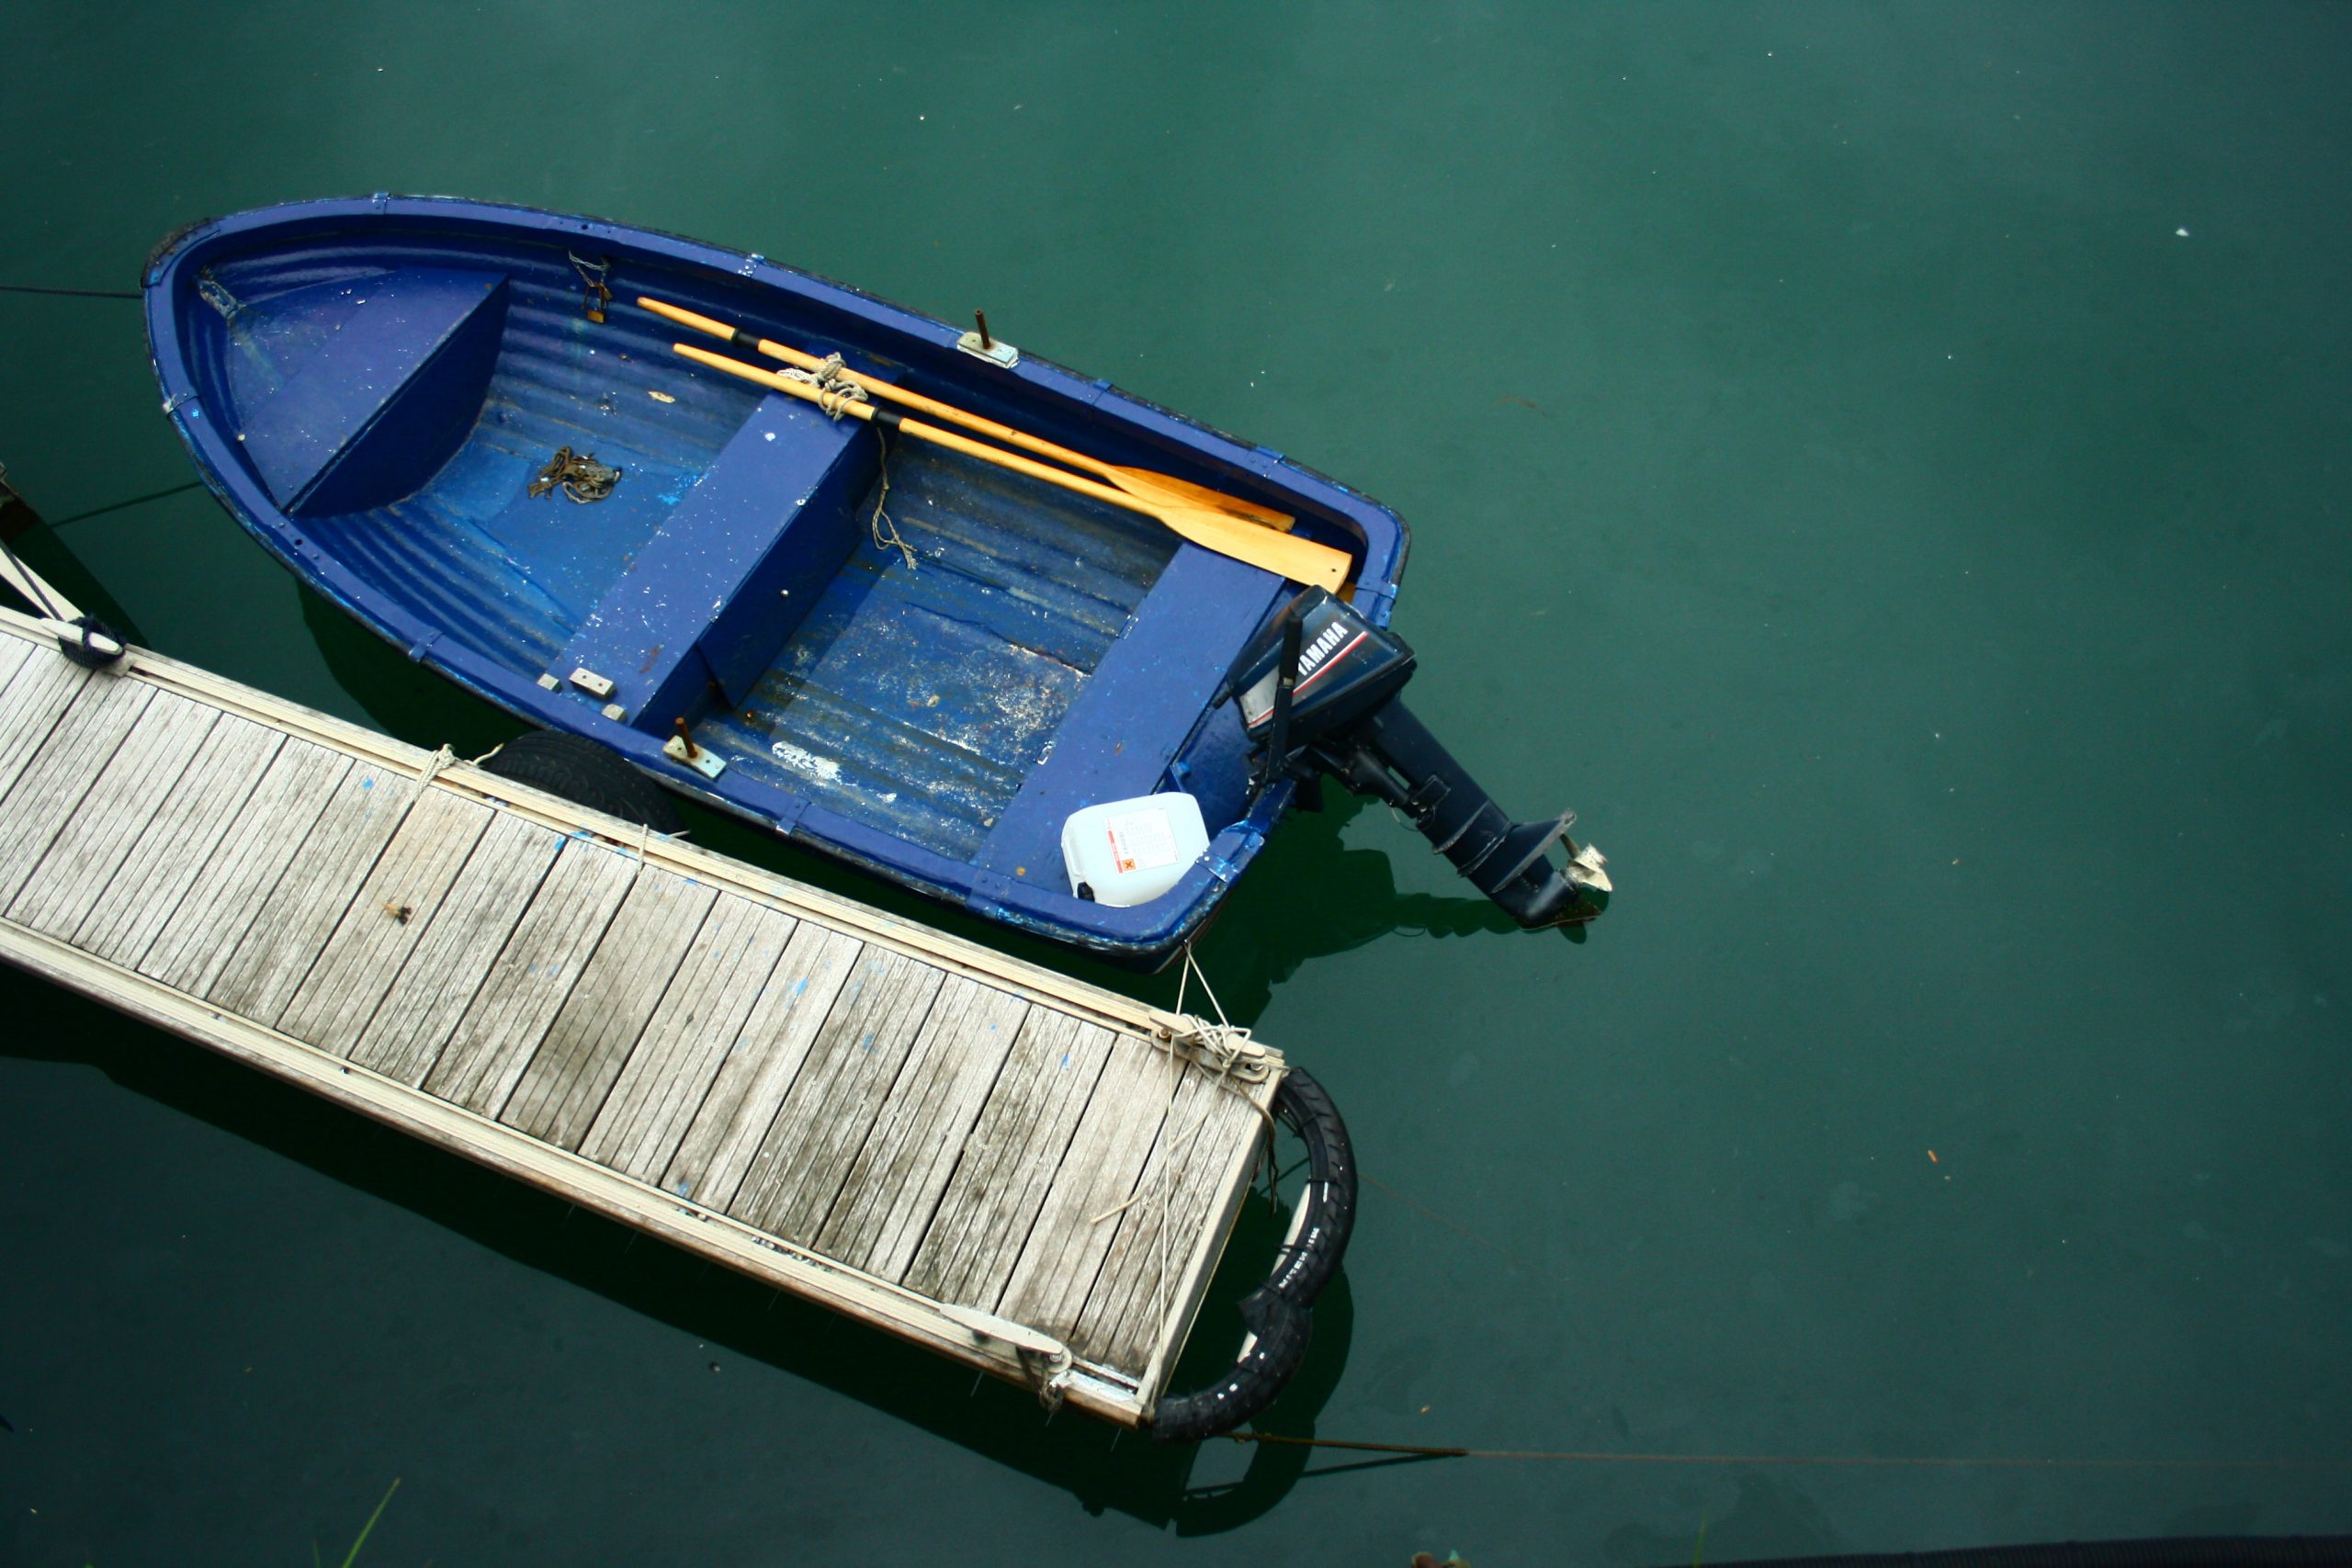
point(1215, 1052)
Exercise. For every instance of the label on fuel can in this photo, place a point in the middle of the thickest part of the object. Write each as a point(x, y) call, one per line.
point(1140, 841)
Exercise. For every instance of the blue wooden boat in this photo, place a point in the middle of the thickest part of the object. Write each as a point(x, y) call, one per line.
point(449, 418)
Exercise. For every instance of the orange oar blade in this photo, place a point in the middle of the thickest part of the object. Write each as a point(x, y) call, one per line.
point(1285, 555)
point(1169, 488)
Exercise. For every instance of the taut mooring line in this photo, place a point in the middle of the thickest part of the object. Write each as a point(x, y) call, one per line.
point(1874, 1462)
point(71, 293)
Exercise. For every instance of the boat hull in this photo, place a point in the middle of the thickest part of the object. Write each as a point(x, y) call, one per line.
point(904, 658)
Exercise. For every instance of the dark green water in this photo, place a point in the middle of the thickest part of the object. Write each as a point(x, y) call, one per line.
point(1833, 474)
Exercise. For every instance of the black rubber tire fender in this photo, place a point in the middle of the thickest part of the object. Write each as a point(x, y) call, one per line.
point(586, 774)
point(1278, 1312)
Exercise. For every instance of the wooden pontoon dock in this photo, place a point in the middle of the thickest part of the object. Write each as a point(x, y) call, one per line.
point(1023, 1172)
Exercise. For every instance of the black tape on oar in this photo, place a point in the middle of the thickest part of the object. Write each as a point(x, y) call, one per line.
point(885, 416)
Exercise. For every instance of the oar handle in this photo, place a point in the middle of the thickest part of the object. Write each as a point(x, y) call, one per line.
point(915, 427)
point(895, 394)
point(1301, 560)
point(1149, 486)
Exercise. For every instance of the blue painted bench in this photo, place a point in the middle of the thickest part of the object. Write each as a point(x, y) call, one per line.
point(1134, 713)
point(712, 596)
point(355, 393)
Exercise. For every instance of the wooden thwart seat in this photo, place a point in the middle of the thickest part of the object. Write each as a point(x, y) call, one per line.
point(709, 599)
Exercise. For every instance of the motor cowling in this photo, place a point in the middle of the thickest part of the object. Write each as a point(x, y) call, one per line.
point(1319, 691)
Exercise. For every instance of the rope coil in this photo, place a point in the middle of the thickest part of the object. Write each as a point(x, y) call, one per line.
point(836, 390)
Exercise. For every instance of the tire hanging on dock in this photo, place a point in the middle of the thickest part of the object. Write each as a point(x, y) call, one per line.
point(1279, 1313)
point(587, 774)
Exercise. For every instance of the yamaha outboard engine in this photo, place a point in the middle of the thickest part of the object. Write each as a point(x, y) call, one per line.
point(1319, 689)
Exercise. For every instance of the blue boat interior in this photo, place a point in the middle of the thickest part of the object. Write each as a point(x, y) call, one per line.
point(947, 654)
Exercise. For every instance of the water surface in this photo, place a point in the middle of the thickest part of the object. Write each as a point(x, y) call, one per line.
point(1884, 464)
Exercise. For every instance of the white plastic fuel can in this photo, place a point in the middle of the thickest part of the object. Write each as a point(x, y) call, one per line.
point(1130, 851)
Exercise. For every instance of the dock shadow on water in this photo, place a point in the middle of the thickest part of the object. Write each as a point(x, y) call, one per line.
point(1102, 1466)
point(41, 547)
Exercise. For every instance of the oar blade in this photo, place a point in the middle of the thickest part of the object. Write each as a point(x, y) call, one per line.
point(1285, 555)
point(1161, 488)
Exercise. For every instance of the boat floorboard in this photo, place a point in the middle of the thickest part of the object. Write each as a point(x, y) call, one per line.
point(976, 1154)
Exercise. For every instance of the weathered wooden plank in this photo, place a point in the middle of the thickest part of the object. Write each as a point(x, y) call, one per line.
point(831, 1106)
point(560, 1094)
point(454, 956)
point(1009, 1163)
point(37, 695)
point(895, 1181)
point(1121, 1323)
point(14, 651)
point(654, 1101)
point(177, 841)
point(735, 1116)
point(197, 940)
point(534, 973)
point(321, 879)
point(1065, 1248)
point(62, 773)
point(1228, 1170)
point(382, 924)
point(98, 834)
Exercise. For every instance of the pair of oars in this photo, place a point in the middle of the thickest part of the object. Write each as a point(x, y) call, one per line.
point(1226, 525)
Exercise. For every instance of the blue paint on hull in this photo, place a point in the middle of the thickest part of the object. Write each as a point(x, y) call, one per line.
point(370, 385)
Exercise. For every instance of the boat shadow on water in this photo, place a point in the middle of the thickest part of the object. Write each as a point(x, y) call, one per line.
point(1312, 896)
point(1102, 1467)
point(1309, 896)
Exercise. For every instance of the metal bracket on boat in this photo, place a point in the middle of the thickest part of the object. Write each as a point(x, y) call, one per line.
point(588, 681)
point(980, 346)
point(591, 278)
point(219, 299)
point(680, 747)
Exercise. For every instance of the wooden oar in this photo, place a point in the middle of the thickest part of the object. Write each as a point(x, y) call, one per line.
point(1285, 555)
point(1135, 481)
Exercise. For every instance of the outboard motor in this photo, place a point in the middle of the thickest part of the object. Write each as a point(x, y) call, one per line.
point(1318, 689)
